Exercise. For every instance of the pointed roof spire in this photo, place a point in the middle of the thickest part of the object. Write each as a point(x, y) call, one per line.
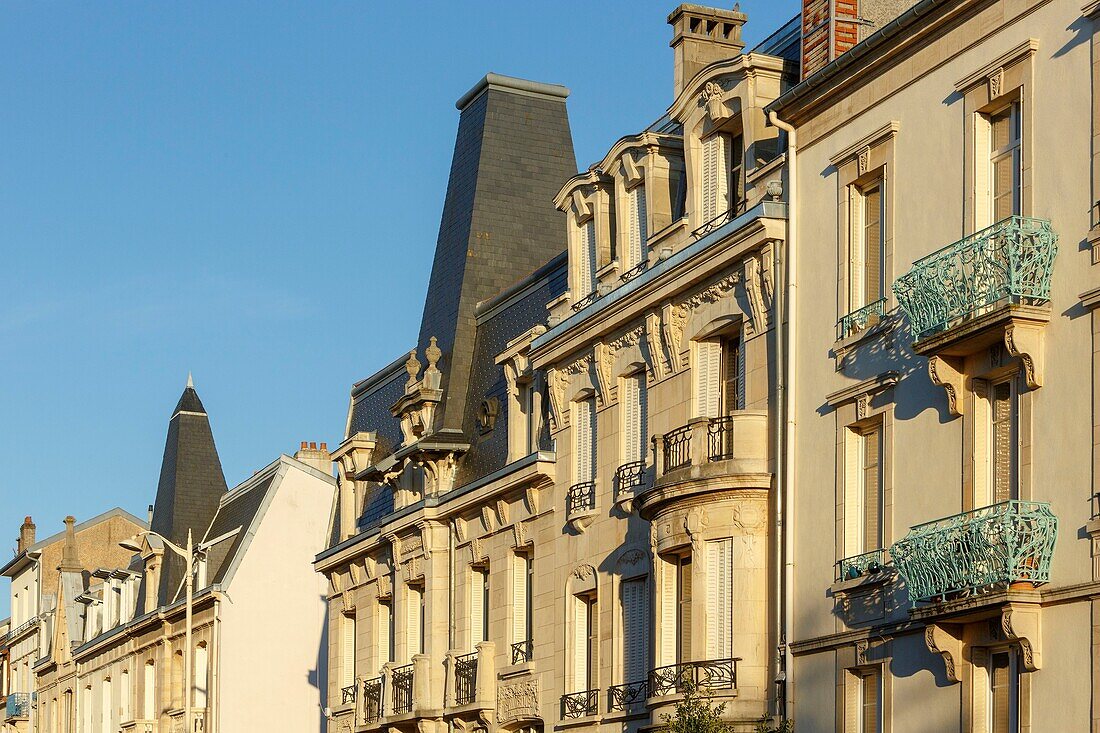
point(189, 400)
point(70, 560)
point(190, 381)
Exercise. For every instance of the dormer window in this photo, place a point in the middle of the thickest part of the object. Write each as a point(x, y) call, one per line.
point(722, 175)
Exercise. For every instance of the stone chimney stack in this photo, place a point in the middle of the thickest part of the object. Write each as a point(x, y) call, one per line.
point(316, 456)
point(26, 534)
point(701, 36)
point(831, 27)
point(70, 559)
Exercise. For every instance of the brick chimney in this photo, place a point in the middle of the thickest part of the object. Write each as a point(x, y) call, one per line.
point(316, 456)
point(701, 36)
point(26, 534)
point(831, 27)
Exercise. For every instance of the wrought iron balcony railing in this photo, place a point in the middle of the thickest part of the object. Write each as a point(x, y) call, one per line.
point(677, 448)
point(580, 704)
point(620, 697)
point(581, 498)
point(717, 222)
point(18, 630)
point(629, 479)
point(633, 272)
point(720, 438)
point(712, 674)
point(858, 566)
point(372, 699)
point(1009, 261)
point(401, 679)
point(861, 319)
point(976, 551)
point(18, 705)
point(522, 651)
point(465, 678)
point(347, 695)
point(587, 300)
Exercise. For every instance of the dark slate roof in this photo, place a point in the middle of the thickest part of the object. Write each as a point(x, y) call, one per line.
point(191, 485)
point(239, 511)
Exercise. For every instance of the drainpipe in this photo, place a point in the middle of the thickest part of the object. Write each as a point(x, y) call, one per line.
point(785, 503)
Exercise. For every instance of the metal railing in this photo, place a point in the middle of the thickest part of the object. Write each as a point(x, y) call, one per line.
point(717, 222)
point(629, 479)
point(18, 705)
point(633, 272)
point(620, 697)
point(581, 498)
point(979, 550)
point(587, 300)
point(1009, 261)
point(347, 695)
point(19, 629)
point(857, 566)
point(861, 319)
point(373, 699)
point(580, 704)
point(522, 651)
point(713, 674)
point(677, 448)
point(720, 438)
point(465, 678)
point(401, 678)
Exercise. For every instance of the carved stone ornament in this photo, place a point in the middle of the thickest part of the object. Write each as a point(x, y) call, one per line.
point(532, 497)
point(519, 535)
point(460, 529)
point(714, 293)
point(653, 331)
point(863, 406)
point(603, 360)
point(674, 319)
point(695, 523)
point(412, 366)
point(384, 586)
point(487, 518)
point(413, 568)
point(863, 160)
point(557, 381)
point(426, 539)
point(584, 572)
point(861, 652)
point(996, 83)
point(631, 558)
point(945, 640)
point(518, 700)
point(756, 273)
point(946, 374)
point(432, 354)
point(626, 340)
point(712, 97)
point(487, 415)
point(477, 551)
point(1026, 344)
point(502, 512)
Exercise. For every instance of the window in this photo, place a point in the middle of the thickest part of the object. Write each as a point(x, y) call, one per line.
point(479, 606)
point(634, 404)
point(719, 376)
point(1004, 161)
point(637, 228)
point(522, 569)
point(586, 259)
point(866, 708)
point(867, 245)
point(584, 440)
point(720, 599)
point(635, 602)
point(414, 630)
point(347, 649)
point(385, 632)
point(584, 653)
point(1002, 449)
point(683, 608)
point(737, 169)
point(1004, 693)
point(201, 664)
point(863, 521)
point(716, 167)
point(149, 692)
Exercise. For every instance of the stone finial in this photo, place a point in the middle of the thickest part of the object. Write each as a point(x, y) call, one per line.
point(412, 366)
point(70, 560)
point(433, 353)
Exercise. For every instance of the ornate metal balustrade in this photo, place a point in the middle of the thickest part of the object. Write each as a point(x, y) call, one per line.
point(720, 438)
point(18, 630)
point(717, 222)
point(580, 704)
point(677, 448)
point(633, 272)
point(629, 479)
point(713, 674)
point(347, 695)
point(581, 498)
point(861, 319)
point(975, 551)
point(620, 697)
point(587, 300)
point(401, 678)
point(521, 651)
point(1009, 261)
point(18, 705)
point(465, 678)
point(857, 566)
point(372, 699)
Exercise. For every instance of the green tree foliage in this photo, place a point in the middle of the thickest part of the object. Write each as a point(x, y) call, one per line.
point(697, 713)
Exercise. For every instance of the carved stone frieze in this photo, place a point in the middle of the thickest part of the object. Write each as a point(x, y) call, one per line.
point(657, 360)
point(603, 359)
point(518, 700)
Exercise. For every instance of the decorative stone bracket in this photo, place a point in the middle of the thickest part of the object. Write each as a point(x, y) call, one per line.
point(1018, 624)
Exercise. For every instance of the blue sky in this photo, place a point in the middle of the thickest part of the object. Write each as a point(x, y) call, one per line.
point(250, 191)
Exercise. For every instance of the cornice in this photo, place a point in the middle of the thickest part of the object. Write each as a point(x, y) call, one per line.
point(890, 129)
point(1027, 48)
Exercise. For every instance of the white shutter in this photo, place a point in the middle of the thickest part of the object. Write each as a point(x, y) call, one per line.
point(519, 597)
point(853, 493)
point(412, 622)
point(586, 251)
point(580, 644)
point(148, 693)
point(126, 693)
point(631, 418)
point(202, 672)
point(720, 599)
point(643, 417)
point(636, 246)
point(584, 432)
point(347, 652)
point(635, 629)
point(385, 623)
point(708, 361)
point(715, 176)
point(477, 610)
point(668, 612)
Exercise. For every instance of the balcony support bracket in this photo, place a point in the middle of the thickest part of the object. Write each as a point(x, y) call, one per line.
point(946, 640)
point(947, 373)
point(1024, 340)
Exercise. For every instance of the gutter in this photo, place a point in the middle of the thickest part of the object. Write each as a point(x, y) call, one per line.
point(785, 469)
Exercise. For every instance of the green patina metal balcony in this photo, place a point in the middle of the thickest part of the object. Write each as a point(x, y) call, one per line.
point(976, 551)
point(1009, 261)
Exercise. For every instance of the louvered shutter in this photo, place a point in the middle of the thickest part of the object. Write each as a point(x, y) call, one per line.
point(586, 268)
point(685, 601)
point(477, 606)
point(347, 653)
point(412, 622)
point(519, 597)
point(669, 631)
point(853, 490)
point(385, 627)
point(870, 701)
point(720, 599)
point(635, 629)
point(1004, 453)
point(580, 644)
point(584, 431)
point(855, 248)
point(636, 247)
point(707, 369)
point(1001, 693)
point(872, 489)
point(631, 417)
point(715, 176)
point(733, 366)
point(872, 244)
point(643, 416)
